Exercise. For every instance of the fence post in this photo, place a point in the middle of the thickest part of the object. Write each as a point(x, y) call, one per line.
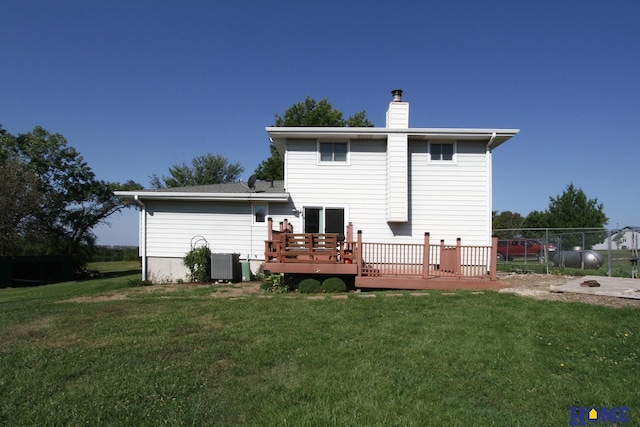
point(493, 261)
point(425, 257)
point(459, 256)
point(359, 253)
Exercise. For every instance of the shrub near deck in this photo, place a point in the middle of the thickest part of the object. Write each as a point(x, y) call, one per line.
point(309, 286)
point(333, 284)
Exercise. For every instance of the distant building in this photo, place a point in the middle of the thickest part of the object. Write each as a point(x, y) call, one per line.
point(621, 239)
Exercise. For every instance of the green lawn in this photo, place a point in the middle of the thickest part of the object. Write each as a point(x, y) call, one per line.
point(184, 358)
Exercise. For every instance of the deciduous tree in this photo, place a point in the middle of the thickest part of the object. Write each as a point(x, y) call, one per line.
point(507, 224)
point(70, 201)
point(205, 169)
point(572, 209)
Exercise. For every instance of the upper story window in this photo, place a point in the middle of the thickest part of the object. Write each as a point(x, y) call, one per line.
point(441, 151)
point(334, 151)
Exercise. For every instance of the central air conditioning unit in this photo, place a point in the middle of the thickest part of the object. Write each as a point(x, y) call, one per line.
point(226, 267)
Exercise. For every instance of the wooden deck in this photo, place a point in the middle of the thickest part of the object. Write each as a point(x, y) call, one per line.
point(382, 265)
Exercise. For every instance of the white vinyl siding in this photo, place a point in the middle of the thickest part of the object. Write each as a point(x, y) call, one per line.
point(359, 188)
point(446, 200)
point(450, 201)
point(228, 227)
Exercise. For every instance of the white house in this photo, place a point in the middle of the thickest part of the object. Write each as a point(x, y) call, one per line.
point(394, 183)
point(622, 239)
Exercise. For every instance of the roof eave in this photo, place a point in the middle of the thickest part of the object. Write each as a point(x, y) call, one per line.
point(172, 195)
point(279, 135)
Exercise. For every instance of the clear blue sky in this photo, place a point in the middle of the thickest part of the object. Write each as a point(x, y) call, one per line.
point(137, 86)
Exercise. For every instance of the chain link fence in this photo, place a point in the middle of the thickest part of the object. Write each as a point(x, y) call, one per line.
point(569, 250)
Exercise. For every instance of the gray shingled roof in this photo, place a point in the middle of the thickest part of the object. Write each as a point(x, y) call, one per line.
point(276, 187)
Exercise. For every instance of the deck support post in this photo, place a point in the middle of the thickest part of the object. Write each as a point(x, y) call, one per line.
point(493, 261)
point(425, 257)
point(359, 253)
point(459, 256)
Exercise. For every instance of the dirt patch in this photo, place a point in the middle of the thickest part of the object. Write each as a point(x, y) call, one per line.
point(99, 298)
point(537, 286)
point(219, 290)
point(236, 290)
point(527, 285)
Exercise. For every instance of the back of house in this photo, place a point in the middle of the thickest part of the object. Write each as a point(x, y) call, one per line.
point(393, 183)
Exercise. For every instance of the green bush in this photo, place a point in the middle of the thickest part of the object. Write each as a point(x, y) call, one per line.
point(334, 284)
point(198, 261)
point(309, 286)
point(272, 284)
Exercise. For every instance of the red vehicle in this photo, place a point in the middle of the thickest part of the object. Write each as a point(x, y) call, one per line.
point(521, 248)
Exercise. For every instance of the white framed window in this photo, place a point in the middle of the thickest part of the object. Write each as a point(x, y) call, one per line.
point(442, 152)
point(260, 211)
point(333, 152)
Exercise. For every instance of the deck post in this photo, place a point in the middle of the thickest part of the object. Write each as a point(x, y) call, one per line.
point(285, 225)
point(359, 253)
point(281, 227)
point(425, 257)
point(282, 246)
point(493, 261)
point(269, 228)
point(349, 232)
point(459, 256)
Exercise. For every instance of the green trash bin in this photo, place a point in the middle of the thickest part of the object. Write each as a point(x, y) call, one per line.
point(246, 271)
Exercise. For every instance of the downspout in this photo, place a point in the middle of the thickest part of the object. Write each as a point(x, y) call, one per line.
point(490, 183)
point(143, 236)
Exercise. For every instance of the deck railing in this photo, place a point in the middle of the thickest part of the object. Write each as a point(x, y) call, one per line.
point(411, 259)
point(383, 259)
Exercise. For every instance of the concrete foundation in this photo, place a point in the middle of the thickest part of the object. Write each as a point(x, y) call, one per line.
point(170, 270)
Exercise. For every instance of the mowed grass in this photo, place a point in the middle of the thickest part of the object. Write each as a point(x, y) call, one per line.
point(184, 358)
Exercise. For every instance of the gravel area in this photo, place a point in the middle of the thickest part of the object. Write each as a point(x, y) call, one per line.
point(537, 286)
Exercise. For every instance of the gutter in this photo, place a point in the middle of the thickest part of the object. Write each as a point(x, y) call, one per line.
point(177, 195)
point(143, 236)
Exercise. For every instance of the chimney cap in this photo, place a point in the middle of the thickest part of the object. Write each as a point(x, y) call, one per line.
point(397, 95)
